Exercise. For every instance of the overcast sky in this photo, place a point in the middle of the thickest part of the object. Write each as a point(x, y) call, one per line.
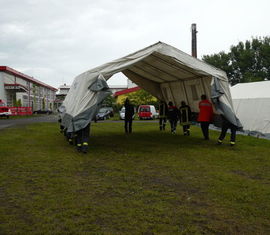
point(56, 40)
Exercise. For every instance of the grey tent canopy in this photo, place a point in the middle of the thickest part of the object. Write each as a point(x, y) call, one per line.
point(164, 71)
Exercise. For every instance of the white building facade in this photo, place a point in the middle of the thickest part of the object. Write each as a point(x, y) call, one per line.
point(63, 90)
point(18, 89)
point(61, 95)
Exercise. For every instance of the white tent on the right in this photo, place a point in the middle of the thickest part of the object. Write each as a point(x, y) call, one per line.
point(251, 103)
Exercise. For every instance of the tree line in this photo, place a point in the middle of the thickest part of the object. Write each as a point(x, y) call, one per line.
point(248, 61)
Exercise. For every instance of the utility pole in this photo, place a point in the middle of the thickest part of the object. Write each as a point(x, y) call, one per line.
point(193, 40)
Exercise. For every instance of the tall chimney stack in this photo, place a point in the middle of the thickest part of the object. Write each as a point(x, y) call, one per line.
point(193, 40)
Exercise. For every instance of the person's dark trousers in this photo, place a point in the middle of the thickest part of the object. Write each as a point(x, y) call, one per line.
point(224, 130)
point(162, 123)
point(69, 136)
point(83, 138)
point(173, 123)
point(128, 125)
point(62, 128)
point(205, 130)
point(186, 129)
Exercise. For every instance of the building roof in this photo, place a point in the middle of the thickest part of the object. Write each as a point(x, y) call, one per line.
point(251, 90)
point(64, 86)
point(117, 86)
point(26, 77)
point(126, 91)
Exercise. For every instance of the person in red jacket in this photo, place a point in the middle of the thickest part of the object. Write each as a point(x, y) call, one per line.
point(205, 115)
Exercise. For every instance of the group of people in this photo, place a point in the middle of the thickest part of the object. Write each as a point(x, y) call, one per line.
point(173, 114)
point(184, 115)
point(166, 112)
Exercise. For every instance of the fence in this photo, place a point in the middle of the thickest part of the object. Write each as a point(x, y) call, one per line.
point(20, 111)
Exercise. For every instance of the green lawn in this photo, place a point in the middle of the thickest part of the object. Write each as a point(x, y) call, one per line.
point(150, 182)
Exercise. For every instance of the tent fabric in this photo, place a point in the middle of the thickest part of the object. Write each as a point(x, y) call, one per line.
point(164, 71)
point(83, 102)
point(252, 105)
point(222, 100)
point(251, 90)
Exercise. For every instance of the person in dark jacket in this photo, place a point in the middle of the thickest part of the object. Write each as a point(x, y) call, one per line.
point(163, 110)
point(173, 114)
point(205, 115)
point(185, 117)
point(225, 126)
point(129, 112)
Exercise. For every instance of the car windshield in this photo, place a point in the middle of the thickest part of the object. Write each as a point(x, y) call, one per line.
point(102, 110)
point(144, 109)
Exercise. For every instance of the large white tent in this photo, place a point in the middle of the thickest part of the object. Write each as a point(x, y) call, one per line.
point(164, 71)
point(252, 105)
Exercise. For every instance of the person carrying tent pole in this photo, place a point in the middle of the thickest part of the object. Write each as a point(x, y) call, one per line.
point(185, 117)
point(225, 126)
point(82, 138)
point(163, 109)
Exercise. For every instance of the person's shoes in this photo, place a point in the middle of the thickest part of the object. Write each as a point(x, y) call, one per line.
point(232, 144)
point(79, 148)
point(84, 150)
point(219, 142)
point(70, 141)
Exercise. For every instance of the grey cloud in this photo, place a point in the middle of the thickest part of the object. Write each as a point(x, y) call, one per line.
point(55, 40)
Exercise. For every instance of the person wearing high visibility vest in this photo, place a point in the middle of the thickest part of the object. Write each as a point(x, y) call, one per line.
point(225, 126)
point(173, 114)
point(185, 117)
point(163, 110)
point(205, 115)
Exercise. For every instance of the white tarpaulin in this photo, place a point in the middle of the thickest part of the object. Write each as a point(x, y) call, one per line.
point(252, 105)
point(164, 71)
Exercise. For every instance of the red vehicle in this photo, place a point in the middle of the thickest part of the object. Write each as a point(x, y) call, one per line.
point(147, 112)
point(4, 110)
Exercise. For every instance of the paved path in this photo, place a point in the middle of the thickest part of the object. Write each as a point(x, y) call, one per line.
point(4, 123)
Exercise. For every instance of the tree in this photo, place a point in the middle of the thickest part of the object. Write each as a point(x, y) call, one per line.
point(246, 62)
point(43, 104)
point(109, 101)
point(142, 97)
point(19, 103)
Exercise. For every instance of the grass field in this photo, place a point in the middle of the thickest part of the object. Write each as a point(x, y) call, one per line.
point(147, 183)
